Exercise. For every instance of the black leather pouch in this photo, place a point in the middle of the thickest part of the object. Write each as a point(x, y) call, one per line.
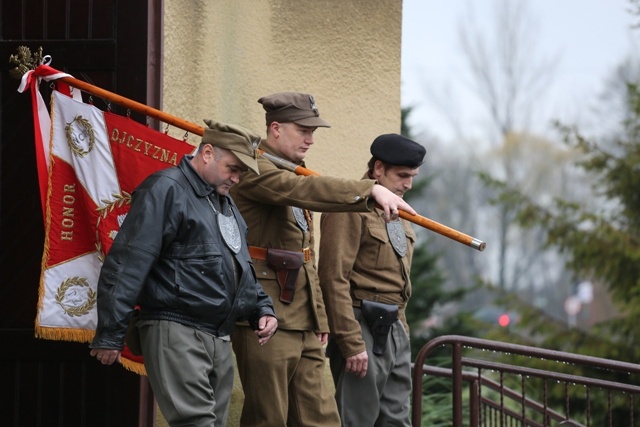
point(286, 264)
point(379, 317)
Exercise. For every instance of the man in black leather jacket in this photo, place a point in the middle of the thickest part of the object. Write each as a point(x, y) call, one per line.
point(181, 256)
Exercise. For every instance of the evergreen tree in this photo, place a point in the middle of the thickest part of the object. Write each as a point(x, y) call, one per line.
point(602, 244)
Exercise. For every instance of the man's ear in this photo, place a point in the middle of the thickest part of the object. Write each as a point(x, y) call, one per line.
point(378, 169)
point(208, 152)
point(275, 128)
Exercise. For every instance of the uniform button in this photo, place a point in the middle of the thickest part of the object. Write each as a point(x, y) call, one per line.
point(356, 198)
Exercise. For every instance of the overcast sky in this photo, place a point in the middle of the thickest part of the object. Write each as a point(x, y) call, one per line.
point(589, 38)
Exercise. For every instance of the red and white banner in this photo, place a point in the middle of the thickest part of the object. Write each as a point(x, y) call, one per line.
point(41, 121)
point(96, 159)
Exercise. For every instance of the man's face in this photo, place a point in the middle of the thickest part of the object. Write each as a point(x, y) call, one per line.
point(292, 140)
point(223, 170)
point(397, 179)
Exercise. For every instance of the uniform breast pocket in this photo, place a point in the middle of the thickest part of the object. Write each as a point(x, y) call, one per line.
point(378, 251)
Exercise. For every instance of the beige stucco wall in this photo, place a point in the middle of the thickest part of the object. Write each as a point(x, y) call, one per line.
point(220, 56)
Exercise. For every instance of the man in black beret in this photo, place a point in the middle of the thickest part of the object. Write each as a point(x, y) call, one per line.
point(364, 266)
point(289, 388)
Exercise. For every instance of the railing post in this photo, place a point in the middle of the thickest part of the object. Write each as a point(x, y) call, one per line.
point(456, 370)
point(474, 404)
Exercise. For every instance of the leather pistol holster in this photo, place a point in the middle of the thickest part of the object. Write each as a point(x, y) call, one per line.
point(286, 264)
point(379, 317)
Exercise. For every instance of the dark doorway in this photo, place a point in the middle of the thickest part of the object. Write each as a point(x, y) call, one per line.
point(109, 43)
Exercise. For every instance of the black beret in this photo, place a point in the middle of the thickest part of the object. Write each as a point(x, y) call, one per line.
point(398, 150)
point(293, 107)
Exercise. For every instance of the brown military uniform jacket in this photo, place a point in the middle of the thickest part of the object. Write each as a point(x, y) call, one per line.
point(265, 203)
point(357, 261)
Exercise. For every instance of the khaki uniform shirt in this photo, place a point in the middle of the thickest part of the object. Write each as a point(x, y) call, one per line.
point(356, 262)
point(265, 203)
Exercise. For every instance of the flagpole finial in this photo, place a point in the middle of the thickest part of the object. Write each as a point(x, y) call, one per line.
point(25, 61)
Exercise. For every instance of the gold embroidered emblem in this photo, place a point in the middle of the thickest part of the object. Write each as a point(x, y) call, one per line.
point(118, 201)
point(80, 136)
point(76, 297)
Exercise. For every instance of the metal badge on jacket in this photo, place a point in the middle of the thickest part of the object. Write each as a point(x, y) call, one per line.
point(228, 226)
point(298, 213)
point(230, 231)
point(397, 237)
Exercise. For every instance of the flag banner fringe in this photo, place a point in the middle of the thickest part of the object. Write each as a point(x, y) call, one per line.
point(64, 334)
point(135, 367)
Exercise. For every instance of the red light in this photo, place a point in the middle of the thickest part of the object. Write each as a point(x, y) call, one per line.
point(504, 320)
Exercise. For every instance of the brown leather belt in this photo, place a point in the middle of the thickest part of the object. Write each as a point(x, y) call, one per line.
point(261, 253)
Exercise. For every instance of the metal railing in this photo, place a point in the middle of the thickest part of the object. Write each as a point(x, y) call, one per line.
point(516, 385)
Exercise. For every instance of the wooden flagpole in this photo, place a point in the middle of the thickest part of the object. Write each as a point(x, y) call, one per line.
point(416, 219)
point(199, 130)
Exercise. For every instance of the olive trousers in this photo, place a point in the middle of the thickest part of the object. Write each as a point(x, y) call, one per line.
point(283, 381)
point(190, 372)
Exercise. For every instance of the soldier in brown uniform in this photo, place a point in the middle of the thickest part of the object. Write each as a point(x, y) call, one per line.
point(288, 388)
point(364, 267)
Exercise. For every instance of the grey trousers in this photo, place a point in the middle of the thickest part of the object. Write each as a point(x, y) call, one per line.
point(190, 371)
point(383, 396)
